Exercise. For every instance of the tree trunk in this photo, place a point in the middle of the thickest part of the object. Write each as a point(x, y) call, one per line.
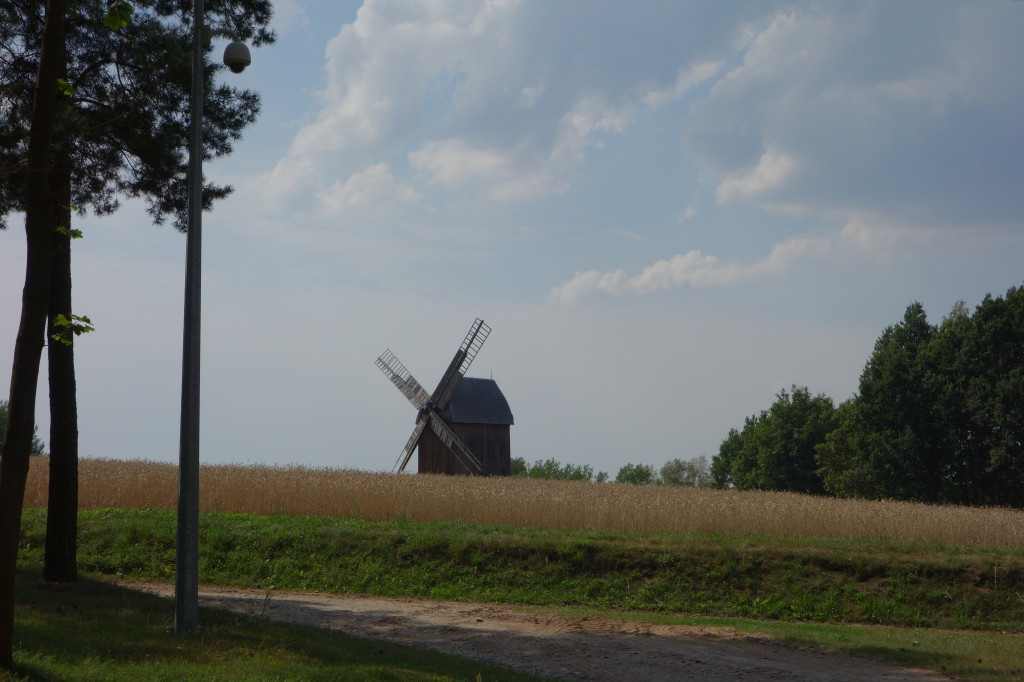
point(60, 561)
point(28, 346)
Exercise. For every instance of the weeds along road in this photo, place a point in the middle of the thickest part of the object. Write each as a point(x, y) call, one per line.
point(545, 644)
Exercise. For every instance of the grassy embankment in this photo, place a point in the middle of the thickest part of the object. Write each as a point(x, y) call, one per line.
point(912, 568)
point(911, 584)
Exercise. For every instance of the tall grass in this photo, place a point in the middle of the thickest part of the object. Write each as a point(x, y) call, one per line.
point(300, 491)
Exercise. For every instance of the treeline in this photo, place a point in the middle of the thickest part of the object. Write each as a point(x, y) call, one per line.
point(938, 417)
point(695, 472)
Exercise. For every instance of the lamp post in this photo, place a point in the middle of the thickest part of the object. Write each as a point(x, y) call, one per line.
point(186, 589)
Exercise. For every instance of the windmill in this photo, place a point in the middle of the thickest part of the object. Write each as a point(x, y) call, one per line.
point(462, 427)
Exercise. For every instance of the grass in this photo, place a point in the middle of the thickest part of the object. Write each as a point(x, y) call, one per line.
point(967, 655)
point(960, 604)
point(994, 657)
point(562, 505)
point(826, 580)
point(933, 586)
point(97, 631)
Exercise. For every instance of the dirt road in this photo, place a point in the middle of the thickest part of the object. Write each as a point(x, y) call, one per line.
point(553, 646)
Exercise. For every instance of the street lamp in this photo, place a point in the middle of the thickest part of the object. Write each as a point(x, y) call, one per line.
point(186, 589)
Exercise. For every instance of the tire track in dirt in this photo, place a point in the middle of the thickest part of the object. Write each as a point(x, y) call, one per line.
point(553, 646)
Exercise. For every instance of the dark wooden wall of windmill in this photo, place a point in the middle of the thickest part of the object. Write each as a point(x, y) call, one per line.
point(491, 443)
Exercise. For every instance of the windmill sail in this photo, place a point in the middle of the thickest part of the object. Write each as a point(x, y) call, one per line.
point(456, 446)
point(410, 445)
point(400, 377)
point(460, 363)
point(426, 403)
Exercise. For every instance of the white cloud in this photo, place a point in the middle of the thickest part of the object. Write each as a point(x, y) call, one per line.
point(904, 111)
point(772, 171)
point(880, 238)
point(693, 269)
point(580, 126)
point(502, 98)
point(373, 186)
point(688, 77)
point(382, 71)
point(455, 162)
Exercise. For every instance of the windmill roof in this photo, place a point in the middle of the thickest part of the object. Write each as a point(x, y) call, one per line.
point(478, 401)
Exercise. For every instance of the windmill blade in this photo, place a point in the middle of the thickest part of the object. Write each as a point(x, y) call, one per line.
point(393, 369)
point(455, 444)
point(410, 445)
point(460, 363)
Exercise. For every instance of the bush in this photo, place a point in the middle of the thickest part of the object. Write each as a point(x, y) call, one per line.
point(637, 474)
point(694, 472)
point(552, 469)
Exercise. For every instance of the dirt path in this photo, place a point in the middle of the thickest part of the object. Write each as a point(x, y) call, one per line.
point(553, 646)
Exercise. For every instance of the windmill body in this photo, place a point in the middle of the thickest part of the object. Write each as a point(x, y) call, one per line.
point(480, 416)
point(463, 426)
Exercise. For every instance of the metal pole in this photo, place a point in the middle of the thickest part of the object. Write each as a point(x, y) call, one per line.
point(186, 605)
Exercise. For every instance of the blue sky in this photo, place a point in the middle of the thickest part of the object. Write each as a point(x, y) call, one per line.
point(667, 211)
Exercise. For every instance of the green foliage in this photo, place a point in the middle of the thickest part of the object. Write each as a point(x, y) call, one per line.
point(637, 474)
point(897, 416)
point(37, 445)
point(69, 326)
point(552, 469)
point(119, 14)
point(69, 233)
point(832, 580)
point(693, 472)
point(939, 416)
point(123, 119)
point(776, 449)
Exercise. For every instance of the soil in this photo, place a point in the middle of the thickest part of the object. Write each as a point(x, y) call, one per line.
point(554, 646)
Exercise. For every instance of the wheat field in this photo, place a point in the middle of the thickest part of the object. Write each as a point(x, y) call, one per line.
point(300, 491)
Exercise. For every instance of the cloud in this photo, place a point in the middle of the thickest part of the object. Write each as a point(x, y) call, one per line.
point(907, 112)
point(580, 126)
point(497, 172)
point(455, 162)
point(372, 186)
point(772, 170)
point(693, 269)
point(689, 77)
point(524, 171)
point(504, 99)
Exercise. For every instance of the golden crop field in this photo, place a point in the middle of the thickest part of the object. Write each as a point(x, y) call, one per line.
point(300, 491)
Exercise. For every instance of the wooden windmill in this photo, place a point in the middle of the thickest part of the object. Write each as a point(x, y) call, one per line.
point(463, 426)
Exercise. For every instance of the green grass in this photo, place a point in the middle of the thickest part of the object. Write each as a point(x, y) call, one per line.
point(98, 631)
point(963, 654)
point(956, 602)
point(972, 655)
point(908, 584)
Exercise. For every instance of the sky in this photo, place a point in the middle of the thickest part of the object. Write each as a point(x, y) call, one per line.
point(667, 211)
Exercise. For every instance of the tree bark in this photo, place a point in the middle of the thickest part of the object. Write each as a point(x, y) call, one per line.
point(60, 560)
point(28, 346)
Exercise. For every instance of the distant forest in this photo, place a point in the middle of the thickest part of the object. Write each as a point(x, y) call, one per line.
point(938, 417)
